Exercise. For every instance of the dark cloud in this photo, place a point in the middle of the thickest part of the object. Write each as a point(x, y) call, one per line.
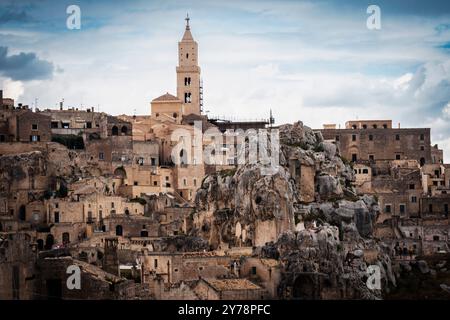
point(10, 15)
point(24, 66)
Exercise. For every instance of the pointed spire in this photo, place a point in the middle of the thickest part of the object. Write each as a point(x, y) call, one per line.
point(187, 34)
point(187, 21)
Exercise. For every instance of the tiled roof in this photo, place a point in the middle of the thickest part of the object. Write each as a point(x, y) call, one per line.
point(166, 97)
point(232, 284)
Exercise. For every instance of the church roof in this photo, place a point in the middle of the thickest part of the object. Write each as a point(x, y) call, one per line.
point(166, 97)
point(187, 35)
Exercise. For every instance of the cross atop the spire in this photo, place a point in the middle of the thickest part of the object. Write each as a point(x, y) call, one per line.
point(187, 20)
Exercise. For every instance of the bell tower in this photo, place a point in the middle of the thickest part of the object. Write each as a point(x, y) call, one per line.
point(188, 73)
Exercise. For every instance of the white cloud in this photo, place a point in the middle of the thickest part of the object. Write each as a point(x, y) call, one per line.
point(446, 111)
point(12, 89)
point(304, 60)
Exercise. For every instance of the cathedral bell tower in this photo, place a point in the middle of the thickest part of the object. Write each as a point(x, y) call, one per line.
point(188, 73)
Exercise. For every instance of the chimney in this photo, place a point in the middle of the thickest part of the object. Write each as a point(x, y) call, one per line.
point(61, 105)
point(399, 125)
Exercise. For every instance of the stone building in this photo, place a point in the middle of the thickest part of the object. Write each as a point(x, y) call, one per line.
point(96, 284)
point(373, 140)
point(229, 289)
point(17, 258)
point(28, 126)
point(174, 267)
point(73, 121)
point(265, 272)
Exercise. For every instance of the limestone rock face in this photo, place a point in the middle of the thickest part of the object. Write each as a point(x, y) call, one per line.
point(306, 214)
point(248, 208)
point(317, 265)
point(329, 186)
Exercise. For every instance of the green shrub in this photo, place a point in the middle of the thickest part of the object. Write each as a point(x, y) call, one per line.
point(71, 141)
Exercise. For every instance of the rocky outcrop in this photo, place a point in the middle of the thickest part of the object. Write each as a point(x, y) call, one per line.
point(306, 214)
point(246, 208)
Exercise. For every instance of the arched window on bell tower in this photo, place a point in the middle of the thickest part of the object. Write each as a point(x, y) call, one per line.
point(187, 97)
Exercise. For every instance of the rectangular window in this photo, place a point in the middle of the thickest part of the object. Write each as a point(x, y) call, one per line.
point(354, 157)
point(101, 156)
point(54, 125)
point(430, 208)
point(353, 137)
point(414, 199)
point(155, 263)
point(2, 138)
point(387, 208)
point(89, 125)
point(35, 138)
point(371, 157)
point(397, 157)
point(153, 161)
point(112, 204)
point(402, 208)
point(370, 137)
point(253, 270)
point(65, 125)
point(397, 137)
point(56, 217)
point(34, 126)
point(412, 186)
point(337, 138)
point(422, 137)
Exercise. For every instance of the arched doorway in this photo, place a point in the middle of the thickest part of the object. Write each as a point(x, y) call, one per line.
point(304, 288)
point(49, 242)
point(119, 230)
point(66, 238)
point(124, 130)
point(22, 213)
point(115, 131)
point(40, 244)
point(121, 174)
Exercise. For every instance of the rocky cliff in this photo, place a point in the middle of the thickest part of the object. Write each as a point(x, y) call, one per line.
point(306, 214)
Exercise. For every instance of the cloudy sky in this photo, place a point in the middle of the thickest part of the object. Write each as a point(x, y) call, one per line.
point(314, 61)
